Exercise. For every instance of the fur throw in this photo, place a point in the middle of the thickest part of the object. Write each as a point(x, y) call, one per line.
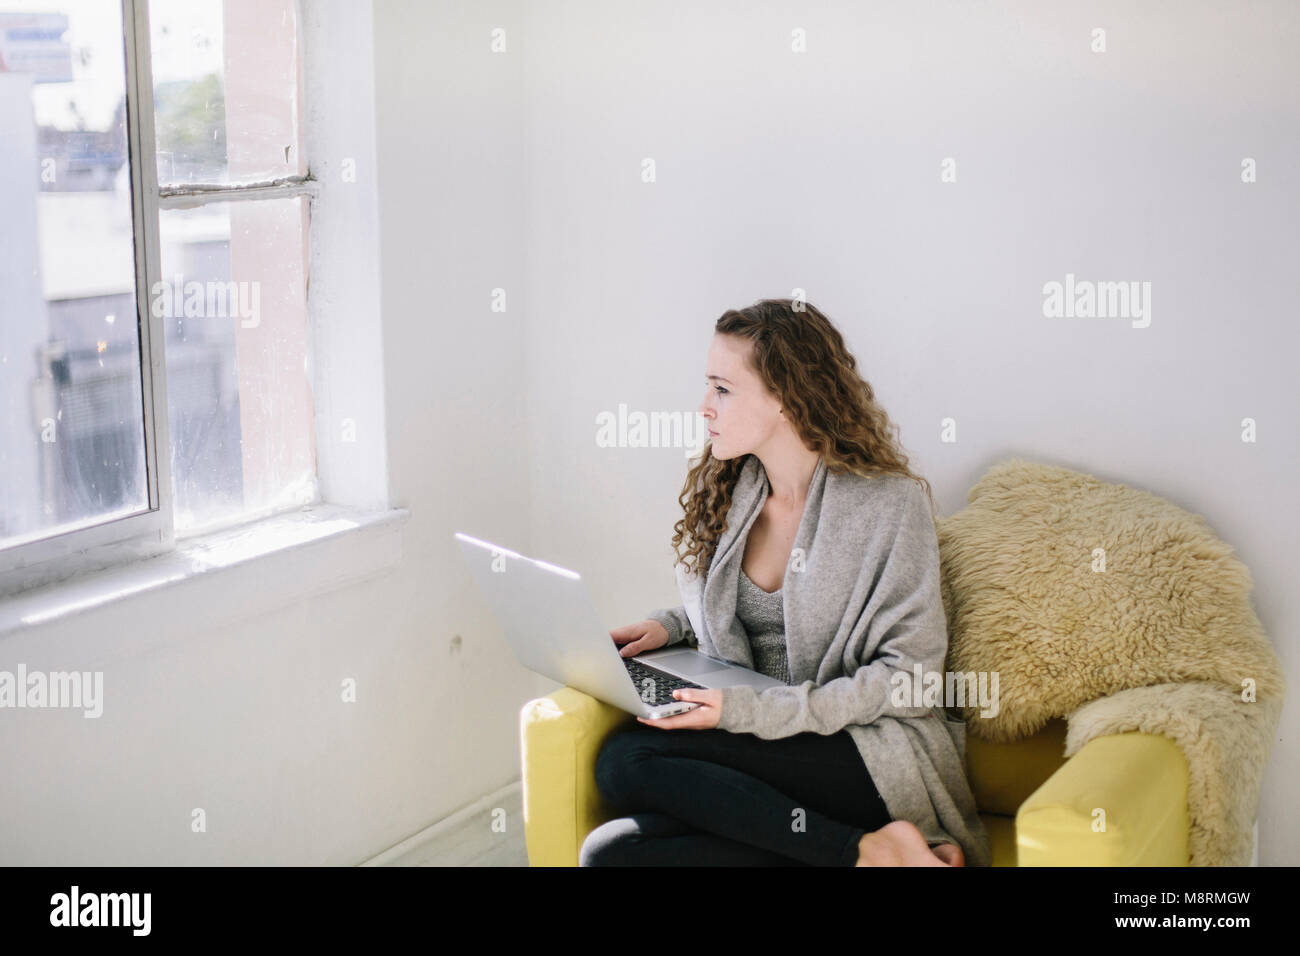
point(1119, 611)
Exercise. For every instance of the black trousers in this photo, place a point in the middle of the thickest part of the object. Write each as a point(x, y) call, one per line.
point(714, 798)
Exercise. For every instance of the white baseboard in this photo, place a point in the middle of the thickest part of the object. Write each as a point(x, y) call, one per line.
point(467, 837)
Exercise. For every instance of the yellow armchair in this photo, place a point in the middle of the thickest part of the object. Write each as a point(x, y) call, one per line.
point(1040, 809)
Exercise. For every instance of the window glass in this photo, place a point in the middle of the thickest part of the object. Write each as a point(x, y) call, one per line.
point(72, 448)
point(225, 112)
point(233, 298)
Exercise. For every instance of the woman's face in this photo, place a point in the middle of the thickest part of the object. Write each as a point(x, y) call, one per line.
point(742, 414)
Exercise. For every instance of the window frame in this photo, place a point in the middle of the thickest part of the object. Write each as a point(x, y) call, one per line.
point(106, 543)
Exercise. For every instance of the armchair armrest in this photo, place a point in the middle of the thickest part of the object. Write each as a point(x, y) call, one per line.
point(560, 736)
point(1140, 782)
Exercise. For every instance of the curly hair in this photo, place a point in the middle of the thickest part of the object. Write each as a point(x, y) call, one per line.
point(798, 354)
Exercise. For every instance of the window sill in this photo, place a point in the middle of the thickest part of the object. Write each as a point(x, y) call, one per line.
point(309, 551)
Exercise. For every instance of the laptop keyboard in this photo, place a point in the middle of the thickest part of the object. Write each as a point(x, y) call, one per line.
point(663, 686)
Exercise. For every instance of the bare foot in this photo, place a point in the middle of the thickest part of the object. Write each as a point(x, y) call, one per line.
point(901, 843)
point(950, 853)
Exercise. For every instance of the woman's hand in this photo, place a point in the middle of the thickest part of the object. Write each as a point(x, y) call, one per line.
point(639, 637)
point(704, 717)
point(651, 635)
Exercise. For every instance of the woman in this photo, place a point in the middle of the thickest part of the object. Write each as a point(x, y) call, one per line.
point(815, 561)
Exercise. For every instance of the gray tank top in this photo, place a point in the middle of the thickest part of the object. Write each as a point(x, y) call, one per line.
point(763, 617)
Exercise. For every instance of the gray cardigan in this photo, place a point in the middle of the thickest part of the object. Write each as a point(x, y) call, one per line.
point(862, 605)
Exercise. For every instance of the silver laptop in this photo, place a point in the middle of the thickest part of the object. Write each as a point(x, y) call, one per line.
point(553, 628)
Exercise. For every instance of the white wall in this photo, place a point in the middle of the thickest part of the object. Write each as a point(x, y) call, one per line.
point(521, 171)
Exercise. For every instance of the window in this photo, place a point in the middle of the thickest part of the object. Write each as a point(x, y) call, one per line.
point(155, 203)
